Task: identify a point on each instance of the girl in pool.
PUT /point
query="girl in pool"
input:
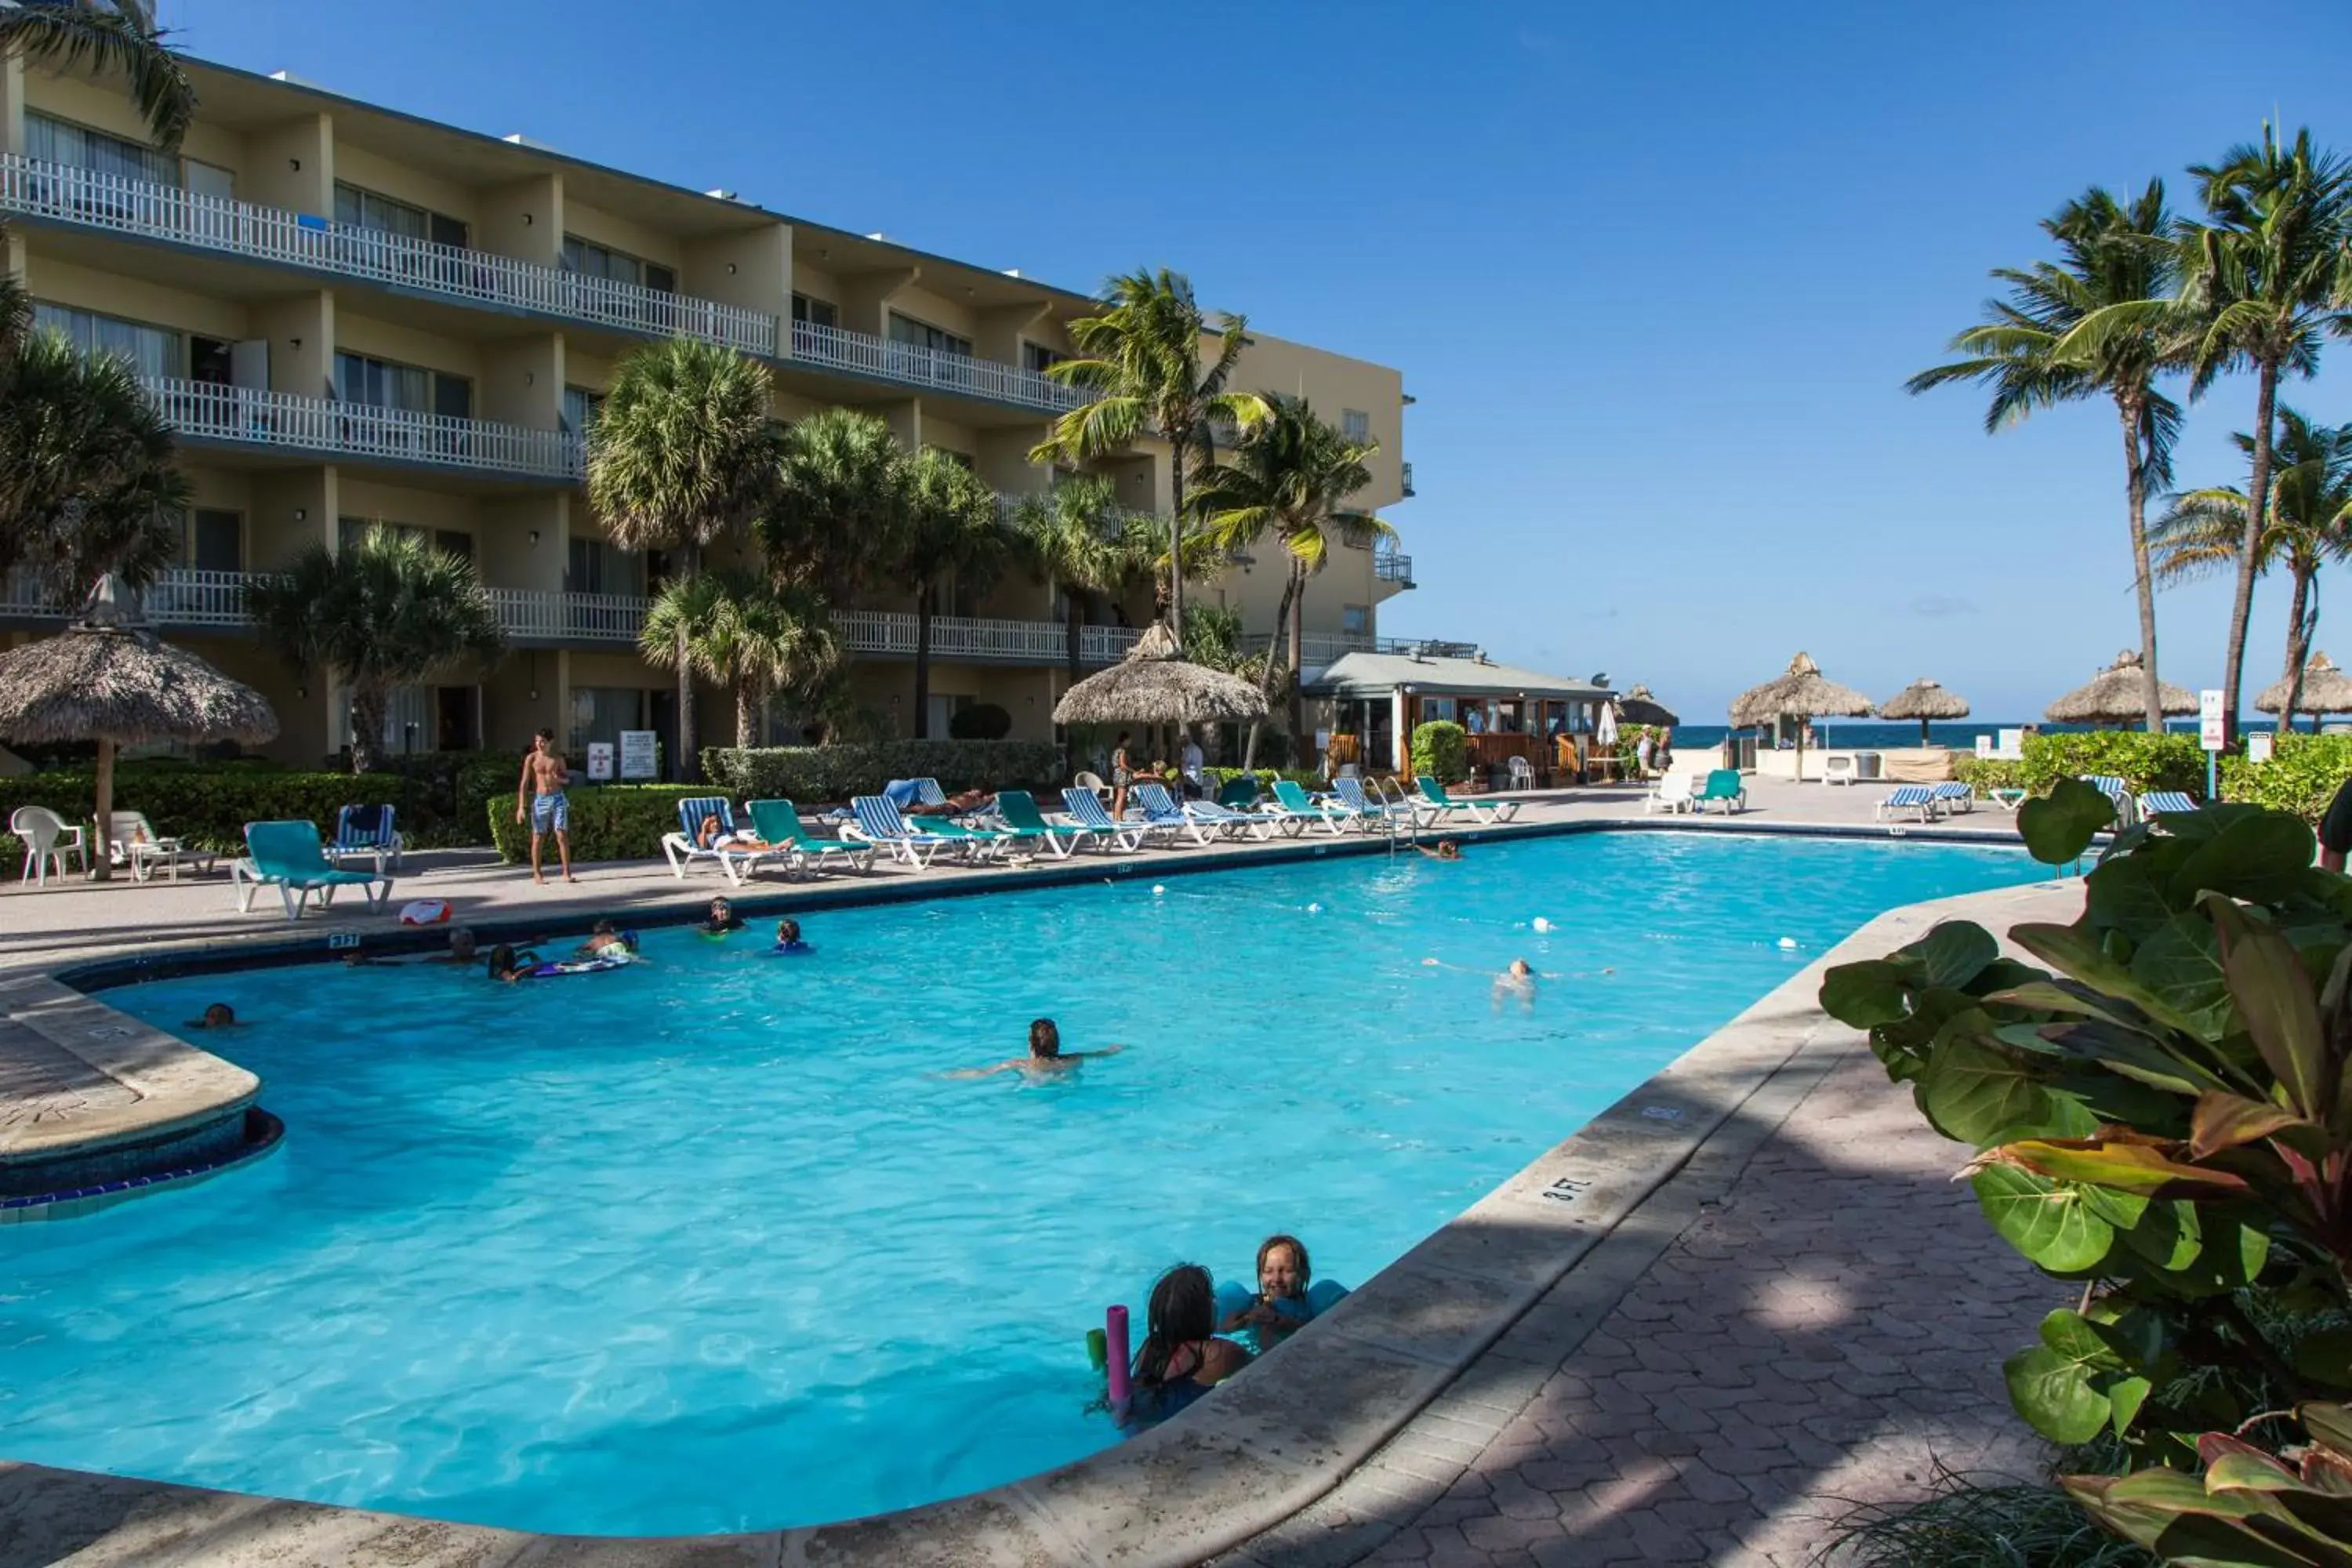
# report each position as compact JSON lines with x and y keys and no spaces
{"x":1281,"y":1308}
{"x":723,"y":919}
{"x":788,"y":938}
{"x":1181,"y":1358}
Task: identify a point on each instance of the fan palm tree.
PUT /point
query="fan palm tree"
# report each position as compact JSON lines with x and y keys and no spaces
{"x":87,"y":480}
{"x":1078,"y":538}
{"x":1141,"y":360}
{"x":949,"y":527}
{"x":1287,"y":481}
{"x":2310,"y":525}
{"x":840,"y":498}
{"x":387,"y":610}
{"x":2111,"y":253}
{"x":743,"y":631}
{"x":682,"y":454}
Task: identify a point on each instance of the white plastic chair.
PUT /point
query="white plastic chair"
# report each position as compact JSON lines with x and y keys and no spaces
{"x":1837,"y":770}
{"x":131,"y":840}
{"x":46,"y":838}
{"x":1093,"y":782}
{"x":1519,"y":774}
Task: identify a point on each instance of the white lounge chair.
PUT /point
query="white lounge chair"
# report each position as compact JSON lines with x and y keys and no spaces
{"x":2157,"y":803}
{"x":880,"y":823}
{"x":682,"y":848}
{"x":1918,"y":798}
{"x":1672,"y":793}
{"x":1085,"y":809}
{"x":1953,"y":797}
{"x":1161,"y":813}
{"x":366,"y":830}
{"x":131,"y":840}
{"x":47,"y":840}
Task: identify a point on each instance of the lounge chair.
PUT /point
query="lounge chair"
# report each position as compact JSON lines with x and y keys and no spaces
{"x":131,"y":840}
{"x":366,"y":830}
{"x":1361,"y":808}
{"x":1295,"y":811}
{"x":1672,"y":793}
{"x":1085,"y":809}
{"x":684,"y":848}
{"x":1918,"y":798}
{"x":1723,"y":788}
{"x":1436,"y":806}
{"x":2118,"y":795}
{"x":1018,"y":810}
{"x":1952,"y":797}
{"x":1091,"y":782}
{"x":47,"y":840}
{"x":778,"y":822}
{"x":880,"y":823}
{"x":291,"y":858}
{"x":1239,"y":792}
{"x":1160,"y":812}
{"x":929,"y":792}
{"x":2158,"y":803}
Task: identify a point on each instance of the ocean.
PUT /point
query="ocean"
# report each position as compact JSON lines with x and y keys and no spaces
{"x":1960,"y":734}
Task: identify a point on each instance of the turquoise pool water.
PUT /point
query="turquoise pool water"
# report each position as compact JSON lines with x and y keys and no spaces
{"x":710,"y":1243}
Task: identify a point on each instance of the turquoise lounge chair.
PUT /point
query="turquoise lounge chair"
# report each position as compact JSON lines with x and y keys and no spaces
{"x":1239,"y":792}
{"x":291,"y":857}
{"x":1723,"y":786}
{"x":1436,"y":806}
{"x":1022,"y":818}
{"x":778,"y":822}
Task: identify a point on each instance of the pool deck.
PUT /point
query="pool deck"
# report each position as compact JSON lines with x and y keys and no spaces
{"x":1677,"y":1336}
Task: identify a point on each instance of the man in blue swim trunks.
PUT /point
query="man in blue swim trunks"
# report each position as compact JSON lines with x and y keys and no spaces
{"x":549,"y":811}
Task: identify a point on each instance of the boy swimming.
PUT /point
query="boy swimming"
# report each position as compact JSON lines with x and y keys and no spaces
{"x":788,"y":938}
{"x":1045,"y":1055}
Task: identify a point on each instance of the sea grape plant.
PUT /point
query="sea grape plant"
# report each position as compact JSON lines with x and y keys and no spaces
{"x":2163,"y":1116}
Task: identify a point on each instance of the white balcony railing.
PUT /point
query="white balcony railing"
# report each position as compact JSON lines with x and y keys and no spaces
{"x":965,"y":638}
{"x":180,"y":596}
{"x":63,"y":194}
{"x":1391,"y":566}
{"x":244,"y":415}
{"x":866,"y":354}
{"x":530,"y":615}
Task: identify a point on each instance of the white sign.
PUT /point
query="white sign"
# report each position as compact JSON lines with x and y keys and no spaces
{"x":2210,"y":723}
{"x":2258,"y":747}
{"x":600,"y":762}
{"x":638,"y":760}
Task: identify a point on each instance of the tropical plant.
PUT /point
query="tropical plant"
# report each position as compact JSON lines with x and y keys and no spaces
{"x":948,"y":529}
{"x":743,"y":631}
{"x":2162,"y":1118}
{"x":682,"y":454}
{"x":2111,"y":253}
{"x":87,"y":480}
{"x":2310,"y":524}
{"x":1964,"y":1522}
{"x":1440,"y":748}
{"x":1140,"y":359}
{"x":840,"y":500}
{"x":389,"y":609}
{"x":1287,"y":479}
{"x":1078,"y":538}
{"x":2302,"y":777}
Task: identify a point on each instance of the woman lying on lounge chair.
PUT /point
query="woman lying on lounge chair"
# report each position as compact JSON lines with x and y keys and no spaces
{"x":713,"y":835}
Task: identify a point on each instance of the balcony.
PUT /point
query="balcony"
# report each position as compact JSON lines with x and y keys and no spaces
{"x":178,"y":597}
{"x":1391,"y":566}
{"x":862,"y":353}
{"x":1408,"y":477}
{"x":320,"y":427}
{"x":84,"y":198}
{"x":892,"y":633}
{"x":537,"y":616}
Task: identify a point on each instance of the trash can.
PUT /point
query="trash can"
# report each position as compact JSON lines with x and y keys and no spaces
{"x":1865,"y":765}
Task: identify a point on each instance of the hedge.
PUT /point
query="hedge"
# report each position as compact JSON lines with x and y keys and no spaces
{"x":1440,"y":749}
{"x":208,"y":803}
{"x":609,"y":822}
{"x":835,"y":773}
{"x":1305,"y":778}
{"x":2302,"y":777}
{"x":2143,"y":761}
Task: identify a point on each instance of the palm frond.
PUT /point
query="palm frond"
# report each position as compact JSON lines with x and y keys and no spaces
{"x":121,"y":38}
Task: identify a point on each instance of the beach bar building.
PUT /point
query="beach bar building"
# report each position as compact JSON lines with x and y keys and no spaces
{"x":1376,"y":700}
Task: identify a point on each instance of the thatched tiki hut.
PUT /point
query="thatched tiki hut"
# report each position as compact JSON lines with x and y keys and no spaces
{"x":1801,"y":691}
{"x":1926,"y":700}
{"x":2325,"y":690}
{"x":1638,"y":707}
{"x":1155,"y":684}
{"x":2117,"y":695}
{"x":109,"y":678}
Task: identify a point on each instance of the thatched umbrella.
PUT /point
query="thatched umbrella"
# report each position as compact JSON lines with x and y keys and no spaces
{"x":2117,"y":695}
{"x":1923,"y":700}
{"x":1638,"y":707}
{"x":1155,"y":684}
{"x":2325,"y":690}
{"x":1802,"y":692}
{"x":108,"y":678}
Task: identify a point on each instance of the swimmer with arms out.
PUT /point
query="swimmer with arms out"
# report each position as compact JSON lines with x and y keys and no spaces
{"x":1446,"y":849}
{"x":1045,"y":1055}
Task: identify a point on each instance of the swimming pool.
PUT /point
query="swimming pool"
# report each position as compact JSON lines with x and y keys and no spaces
{"x":710,"y":1243}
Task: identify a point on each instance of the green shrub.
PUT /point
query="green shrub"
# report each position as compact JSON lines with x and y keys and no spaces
{"x":2144,"y":761}
{"x":1440,"y":749}
{"x":1305,"y":778}
{"x":2302,"y":777}
{"x":981,"y":721}
{"x":1986,"y":774}
{"x":609,"y":822}
{"x":208,"y":805}
{"x":836,"y":773}
{"x":1628,"y":742}
{"x":1966,"y":1523}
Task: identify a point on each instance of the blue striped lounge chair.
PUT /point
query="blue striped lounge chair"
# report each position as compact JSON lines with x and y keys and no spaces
{"x":681,"y":850}
{"x":1918,"y":798}
{"x":2118,"y":794}
{"x":1360,"y":809}
{"x":1230,"y":823}
{"x":366,"y":830}
{"x":2158,"y":803}
{"x":1951,"y":797}
{"x":1161,"y":812}
{"x":880,"y":823}
{"x":1085,"y":809}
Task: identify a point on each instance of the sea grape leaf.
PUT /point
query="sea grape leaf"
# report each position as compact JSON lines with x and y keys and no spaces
{"x":1953,"y":953}
{"x":1975,"y":1092}
{"x":2003,"y":974}
{"x":2054,"y":1395}
{"x":2180,"y":963}
{"x":2261,"y":857}
{"x":2085,"y":959}
{"x":2057,"y":827}
{"x":1866,"y":995}
{"x":2049,"y":1224}
{"x":2125,"y":1395}
{"x":2129,"y":895}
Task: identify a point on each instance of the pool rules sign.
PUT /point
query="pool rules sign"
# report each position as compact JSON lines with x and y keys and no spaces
{"x":2208,"y":720}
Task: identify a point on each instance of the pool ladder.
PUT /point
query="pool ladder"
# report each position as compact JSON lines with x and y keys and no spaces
{"x":1403,"y":821}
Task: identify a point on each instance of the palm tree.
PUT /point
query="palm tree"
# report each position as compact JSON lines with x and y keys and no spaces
{"x":743,"y":631}
{"x":2310,"y":525}
{"x":950,"y":527}
{"x":387,"y":610}
{"x":2112,"y":253}
{"x":1286,"y":480}
{"x":840,"y":497}
{"x":87,"y":480}
{"x":1078,"y":538}
{"x":682,"y":453}
{"x":1142,"y":363}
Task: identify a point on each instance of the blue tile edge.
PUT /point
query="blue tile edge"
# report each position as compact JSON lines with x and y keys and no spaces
{"x":263,"y":1134}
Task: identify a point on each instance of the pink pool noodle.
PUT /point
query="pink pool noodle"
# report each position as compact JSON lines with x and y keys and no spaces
{"x":1115,"y":1331}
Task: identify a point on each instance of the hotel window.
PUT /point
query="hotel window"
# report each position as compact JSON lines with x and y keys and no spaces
{"x":1356,"y":620}
{"x":923,"y":335}
{"x":597,"y":567}
{"x":816,"y":313}
{"x":1036,"y":357}
{"x":454,"y":541}
{"x":590,"y":260}
{"x":366,"y":209}
{"x":1355,"y":425}
{"x":581,"y":407}
{"x":963,"y":460}
{"x":151,"y":350}
{"x":215,"y":541}
{"x":78,"y":147}
{"x":381,"y":384}
{"x":601,"y":714}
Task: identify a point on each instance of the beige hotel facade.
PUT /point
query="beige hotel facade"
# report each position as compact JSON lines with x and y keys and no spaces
{"x":351,"y":315}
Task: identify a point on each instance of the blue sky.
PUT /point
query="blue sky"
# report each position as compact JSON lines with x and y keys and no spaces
{"x":1654,"y":273}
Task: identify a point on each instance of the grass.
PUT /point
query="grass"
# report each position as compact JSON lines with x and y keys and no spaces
{"x":1969,"y":1523}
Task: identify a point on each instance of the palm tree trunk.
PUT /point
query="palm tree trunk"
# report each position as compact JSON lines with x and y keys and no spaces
{"x":1266,"y":675}
{"x":689,"y":760}
{"x":2134,"y":412}
{"x":2258,"y":499}
{"x":101,"y":863}
{"x":1178,"y":446}
{"x":1302,"y":744}
{"x":745,"y":711}
{"x":369,"y":700}
{"x":2301,"y":622}
{"x":923,"y":662}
